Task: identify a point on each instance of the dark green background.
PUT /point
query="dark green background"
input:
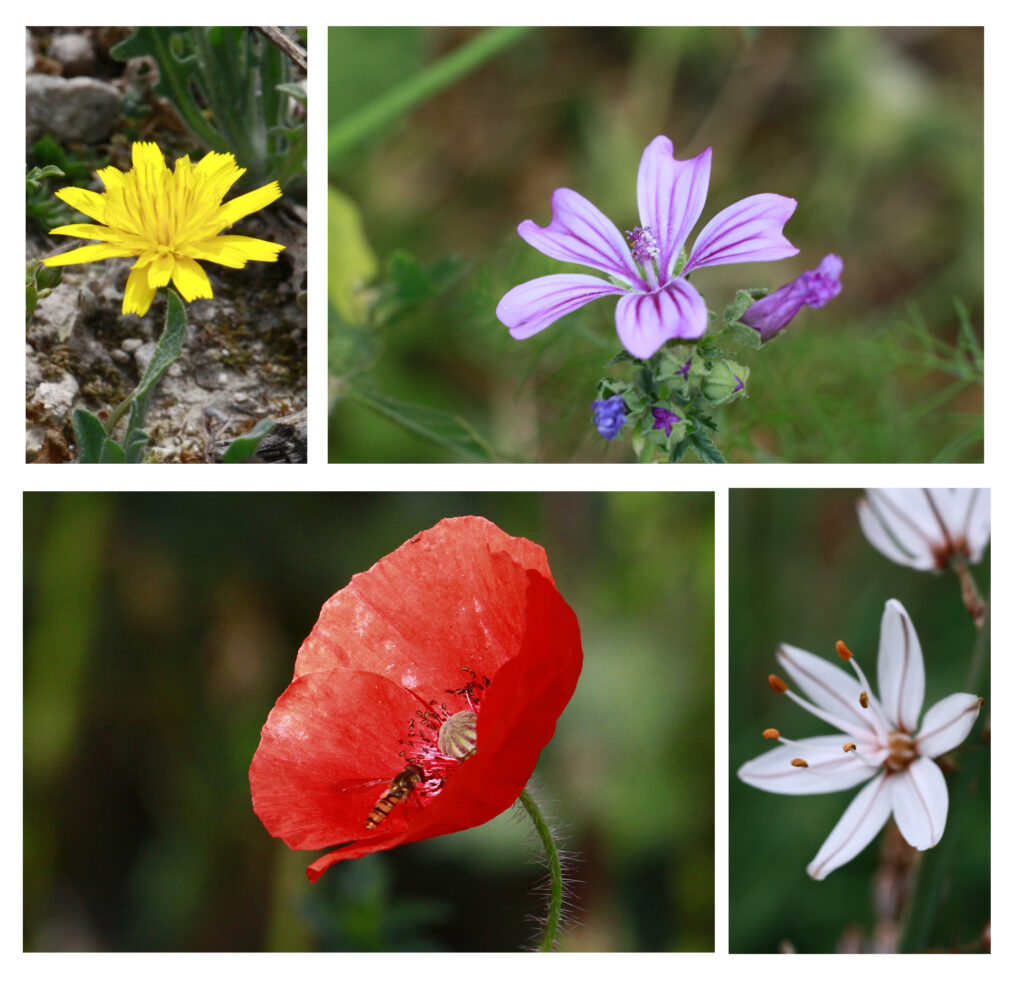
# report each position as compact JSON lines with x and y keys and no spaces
{"x":159,"y":630}
{"x":802,"y":572}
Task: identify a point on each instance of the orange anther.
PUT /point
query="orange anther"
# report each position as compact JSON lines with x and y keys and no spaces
{"x":777,"y":684}
{"x":864,"y":700}
{"x":844,"y":653}
{"x":770,"y":733}
{"x":798,"y":763}
{"x":850,"y":747}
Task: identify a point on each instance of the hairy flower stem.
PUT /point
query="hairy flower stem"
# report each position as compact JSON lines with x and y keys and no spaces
{"x":554,"y":867}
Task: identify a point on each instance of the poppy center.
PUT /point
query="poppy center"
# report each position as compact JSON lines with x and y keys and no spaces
{"x":457,"y":736}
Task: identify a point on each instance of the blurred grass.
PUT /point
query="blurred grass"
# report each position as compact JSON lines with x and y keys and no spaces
{"x":160,"y":628}
{"x":801,"y":572}
{"x":876,"y":131}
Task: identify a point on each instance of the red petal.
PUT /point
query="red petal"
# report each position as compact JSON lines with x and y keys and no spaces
{"x":436,"y":603}
{"x":329,"y":728}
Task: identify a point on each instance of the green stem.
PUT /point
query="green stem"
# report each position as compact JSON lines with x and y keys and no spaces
{"x":111,"y":421}
{"x":344,"y":135}
{"x":555,"y":868}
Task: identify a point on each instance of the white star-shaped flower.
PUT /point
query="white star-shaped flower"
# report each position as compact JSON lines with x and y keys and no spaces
{"x":879,"y":739}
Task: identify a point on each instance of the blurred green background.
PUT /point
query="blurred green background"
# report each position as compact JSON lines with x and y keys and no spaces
{"x":876,"y":131}
{"x":801,"y":571}
{"x":159,"y":630}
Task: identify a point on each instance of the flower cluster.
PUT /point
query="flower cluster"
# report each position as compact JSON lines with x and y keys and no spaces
{"x":422,"y":697}
{"x":168,"y":220}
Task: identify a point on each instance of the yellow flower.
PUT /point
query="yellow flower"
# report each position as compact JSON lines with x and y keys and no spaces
{"x":168,"y":220}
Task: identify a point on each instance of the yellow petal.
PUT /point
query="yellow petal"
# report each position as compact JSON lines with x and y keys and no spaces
{"x":234,"y":250}
{"x":87,"y":254}
{"x":100,"y":232}
{"x":191,"y":279}
{"x":231,"y":211}
{"x":87,"y":202}
{"x":158,"y":273}
{"x":219,"y":171}
{"x":138,"y":294}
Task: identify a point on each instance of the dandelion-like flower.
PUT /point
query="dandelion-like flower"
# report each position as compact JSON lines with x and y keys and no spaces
{"x":647,"y":266}
{"x":169,"y":220}
{"x":879,"y":739}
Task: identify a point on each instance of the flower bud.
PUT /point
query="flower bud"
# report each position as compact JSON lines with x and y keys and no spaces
{"x":724,"y":381}
{"x":815,"y":288}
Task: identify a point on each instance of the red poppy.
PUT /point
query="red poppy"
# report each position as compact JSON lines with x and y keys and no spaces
{"x":422,"y":697}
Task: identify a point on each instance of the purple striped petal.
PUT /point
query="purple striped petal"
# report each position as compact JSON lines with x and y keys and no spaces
{"x":533,"y":305}
{"x":749,"y":231}
{"x":671,"y":195}
{"x":581,"y":233}
{"x":645,"y":321}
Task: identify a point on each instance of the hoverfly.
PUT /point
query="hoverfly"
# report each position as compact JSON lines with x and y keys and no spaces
{"x":399,"y":789}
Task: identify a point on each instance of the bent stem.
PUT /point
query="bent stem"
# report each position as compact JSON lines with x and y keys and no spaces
{"x":554,"y":867}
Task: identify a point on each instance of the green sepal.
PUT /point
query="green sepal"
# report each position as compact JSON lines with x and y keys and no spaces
{"x":720,"y":385}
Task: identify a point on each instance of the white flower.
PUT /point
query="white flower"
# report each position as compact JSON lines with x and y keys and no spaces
{"x":926,"y":528}
{"x":878,"y":737}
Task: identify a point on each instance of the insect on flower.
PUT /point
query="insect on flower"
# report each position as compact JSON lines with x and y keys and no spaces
{"x":400,"y":788}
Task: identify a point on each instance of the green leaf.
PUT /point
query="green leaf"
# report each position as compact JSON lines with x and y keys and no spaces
{"x":168,"y":349}
{"x":353,"y":262}
{"x":244,"y":447}
{"x":35,"y":175}
{"x":135,"y":445}
{"x":438,"y":426}
{"x":89,"y":435}
{"x":112,"y":452}
{"x":705,"y":449}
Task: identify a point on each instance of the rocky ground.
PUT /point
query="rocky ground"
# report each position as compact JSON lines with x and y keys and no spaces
{"x":244,"y":356}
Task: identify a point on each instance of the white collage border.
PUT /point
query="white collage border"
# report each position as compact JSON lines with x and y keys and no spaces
{"x":1003,"y":208}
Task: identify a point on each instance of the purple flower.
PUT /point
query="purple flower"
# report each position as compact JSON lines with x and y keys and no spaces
{"x":815,"y":288}
{"x":685,"y":370}
{"x":656,"y":302}
{"x":609,"y":416}
{"x":664,"y":419}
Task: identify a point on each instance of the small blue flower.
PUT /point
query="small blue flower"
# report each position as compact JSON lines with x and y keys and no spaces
{"x":609,"y":416}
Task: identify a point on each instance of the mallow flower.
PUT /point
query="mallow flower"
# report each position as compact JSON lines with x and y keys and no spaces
{"x":815,"y":288}
{"x":880,"y":741}
{"x":647,"y":267}
{"x":927,"y":528}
